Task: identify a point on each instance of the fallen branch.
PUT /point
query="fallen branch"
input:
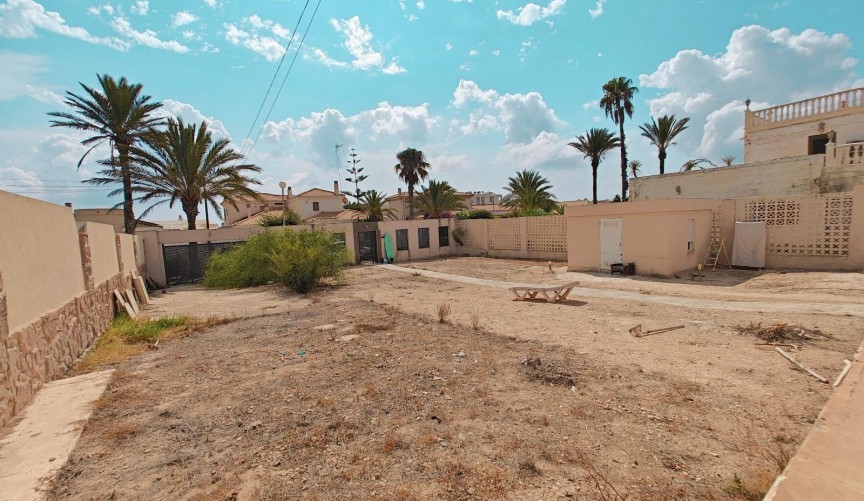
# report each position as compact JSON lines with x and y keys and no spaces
{"x":805,"y":369}
{"x":842,"y":373}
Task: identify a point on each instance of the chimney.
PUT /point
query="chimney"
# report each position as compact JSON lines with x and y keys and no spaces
{"x":288,"y":192}
{"x":180,"y":217}
{"x":336,"y":187}
{"x":400,"y":191}
{"x":68,"y":204}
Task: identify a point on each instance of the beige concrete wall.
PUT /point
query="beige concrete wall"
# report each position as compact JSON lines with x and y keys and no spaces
{"x":346,"y":228}
{"x":40,"y":257}
{"x":128,"y":263}
{"x":227,"y":234}
{"x":790,"y":139}
{"x":414,"y":251}
{"x":111,"y":217}
{"x":794,"y":176}
{"x":542,"y":237}
{"x":103,"y":251}
{"x":654,"y":234}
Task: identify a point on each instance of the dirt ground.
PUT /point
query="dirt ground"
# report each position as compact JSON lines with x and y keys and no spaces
{"x":359,"y":392}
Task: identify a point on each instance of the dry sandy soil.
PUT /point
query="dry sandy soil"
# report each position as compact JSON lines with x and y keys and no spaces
{"x":359,"y":393}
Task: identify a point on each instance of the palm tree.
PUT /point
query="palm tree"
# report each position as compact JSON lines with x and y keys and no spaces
{"x":728,"y":160}
{"x":594,"y":145}
{"x":184,"y":164}
{"x":438,"y":199}
{"x":689,"y":165}
{"x":372,"y":205}
{"x":412,"y":168}
{"x":119,"y":114}
{"x":662,"y":134}
{"x":617,"y":103}
{"x":635,"y":167}
{"x":528,"y":191}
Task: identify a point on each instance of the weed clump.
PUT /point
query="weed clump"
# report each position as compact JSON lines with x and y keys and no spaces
{"x":299,"y":260}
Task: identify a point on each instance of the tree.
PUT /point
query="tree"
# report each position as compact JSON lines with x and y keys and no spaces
{"x":118,"y":114}
{"x":372,"y":205}
{"x":412,"y":168}
{"x":356,"y":177}
{"x":662,"y":133}
{"x":635,"y":167}
{"x":595,"y":144}
{"x":528,"y":192}
{"x":438,"y":199}
{"x":689,"y":165}
{"x":617,"y":103}
{"x":728,"y":160}
{"x":183,"y":164}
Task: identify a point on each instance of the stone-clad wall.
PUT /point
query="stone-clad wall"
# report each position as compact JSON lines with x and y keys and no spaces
{"x":47,"y":348}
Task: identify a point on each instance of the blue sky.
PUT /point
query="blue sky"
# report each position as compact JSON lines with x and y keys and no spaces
{"x":483,"y":88}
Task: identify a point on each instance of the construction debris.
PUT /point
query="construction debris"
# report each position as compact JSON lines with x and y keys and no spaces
{"x":800,"y":366}
{"x":771,"y":346}
{"x":842,"y":373}
{"x":780,"y":332}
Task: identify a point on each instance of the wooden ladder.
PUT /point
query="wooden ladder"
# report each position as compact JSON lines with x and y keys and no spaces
{"x":712,"y":257}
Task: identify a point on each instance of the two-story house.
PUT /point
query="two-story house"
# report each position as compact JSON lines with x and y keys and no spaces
{"x":314,"y":203}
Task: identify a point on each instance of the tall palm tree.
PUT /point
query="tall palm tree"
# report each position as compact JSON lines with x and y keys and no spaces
{"x":118,"y":114}
{"x":728,"y":160}
{"x":635,"y":167}
{"x":412,"y":168}
{"x":594,"y":144}
{"x":438,"y":199}
{"x":373,"y":206}
{"x":617,"y":103}
{"x":528,"y":191}
{"x":183,"y":164}
{"x":662,"y":133}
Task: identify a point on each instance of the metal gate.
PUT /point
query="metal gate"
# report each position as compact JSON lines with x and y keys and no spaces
{"x":180,"y":269}
{"x":367,"y":246}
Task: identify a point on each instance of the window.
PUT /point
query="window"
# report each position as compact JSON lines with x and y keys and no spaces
{"x":443,"y":236}
{"x":401,"y":240}
{"x":423,"y":237}
{"x":339,"y":239}
{"x":816,"y":144}
{"x":691,"y":232}
{"x":315,"y":206}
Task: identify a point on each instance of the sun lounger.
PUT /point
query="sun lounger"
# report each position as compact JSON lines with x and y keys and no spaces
{"x":552,"y":293}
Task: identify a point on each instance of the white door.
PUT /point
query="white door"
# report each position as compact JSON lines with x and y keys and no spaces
{"x":610,"y":242}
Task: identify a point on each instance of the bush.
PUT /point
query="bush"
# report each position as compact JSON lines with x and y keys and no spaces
{"x":291,"y":219}
{"x":299,"y":260}
{"x":475,"y":214}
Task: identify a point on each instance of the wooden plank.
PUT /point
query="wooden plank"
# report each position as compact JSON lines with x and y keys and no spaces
{"x":125,"y":305}
{"x":797,"y":363}
{"x":130,"y":298}
{"x":843,"y":373}
{"x":141,"y":290}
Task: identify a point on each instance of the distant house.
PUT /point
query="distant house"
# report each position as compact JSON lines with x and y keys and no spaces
{"x":398,"y":203}
{"x":310,"y":204}
{"x":482,"y":198}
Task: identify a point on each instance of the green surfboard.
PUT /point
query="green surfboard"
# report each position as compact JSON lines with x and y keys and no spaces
{"x":388,"y":248}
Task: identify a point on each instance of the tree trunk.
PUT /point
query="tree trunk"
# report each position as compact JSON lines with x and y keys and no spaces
{"x":128,"y":211}
{"x":624,"y":183}
{"x":410,"y":201}
{"x":207,"y":214}
{"x":662,"y":157}
{"x":594,"y":164}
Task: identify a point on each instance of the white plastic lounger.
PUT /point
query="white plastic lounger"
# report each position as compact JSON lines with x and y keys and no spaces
{"x":552,"y":293}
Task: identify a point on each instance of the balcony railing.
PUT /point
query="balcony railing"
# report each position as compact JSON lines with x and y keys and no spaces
{"x":849,"y":154}
{"x":806,"y":109}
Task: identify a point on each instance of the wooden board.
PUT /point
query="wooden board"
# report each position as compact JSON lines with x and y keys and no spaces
{"x":125,"y":304}
{"x":141,"y":290}
{"x":388,"y":248}
{"x":130,"y":298}
{"x":551,"y":294}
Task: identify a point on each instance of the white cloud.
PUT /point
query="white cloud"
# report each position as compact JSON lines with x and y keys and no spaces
{"x":768,"y":66}
{"x":210,"y":3}
{"x":547,"y":149}
{"x":597,"y":11}
{"x":141,"y":7}
{"x":261,"y":36}
{"x":19,"y":77}
{"x":190,"y":115}
{"x":473,"y":52}
{"x":591,"y":105}
{"x":183,"y":18}
{"x":147,"y":38}
{"x":522,"y":117}
{"x":421,"y":5}
{"x":20,"y":179}
{"x":22,"y":19}
{"x":358,"y":43}
{"x":530,"y":13}
{"x":96,"y":10}
{"x":448,"y":46}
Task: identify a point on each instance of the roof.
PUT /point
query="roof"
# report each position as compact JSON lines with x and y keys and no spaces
{"x":255,"y":220}
{"x":343,"y":215}
{"x":318,"y":192}
{"x":277,"y":197}
{"x":405,"y":195}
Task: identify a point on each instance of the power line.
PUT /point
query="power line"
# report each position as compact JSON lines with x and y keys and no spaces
{"x":290,"y":67}
{"x":275,"y":74}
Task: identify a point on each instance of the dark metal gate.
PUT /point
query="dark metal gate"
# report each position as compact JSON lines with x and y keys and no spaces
{"x":180,"y":269}
{"x":368,"y":250}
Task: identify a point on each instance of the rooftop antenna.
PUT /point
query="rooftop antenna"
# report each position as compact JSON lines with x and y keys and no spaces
{"x":338,"y":161}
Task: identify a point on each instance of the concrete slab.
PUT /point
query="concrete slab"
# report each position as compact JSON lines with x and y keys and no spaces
{"x":50,"y":427}
{"x":830,"y":462}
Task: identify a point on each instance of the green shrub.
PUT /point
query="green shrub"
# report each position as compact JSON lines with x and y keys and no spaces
{"x":144,"y":331}
{"x":291,"y":219}
{"x":474,"y":214}
{"x":459,"y":235}
{"x":297,"y":259}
